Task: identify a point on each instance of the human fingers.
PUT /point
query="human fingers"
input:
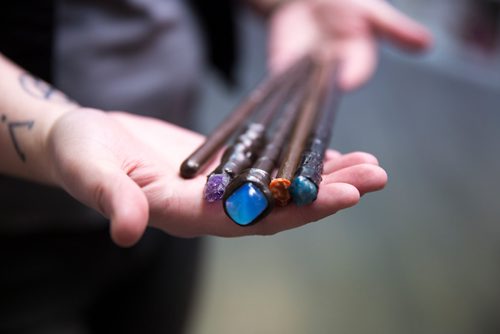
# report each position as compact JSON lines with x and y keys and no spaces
{"x":347,"y":160}
{"x":332,"y":155}
{"x":98,"y":175}
{"x":365,"y":177}
{"x":331,"y":198}
{"x":123,"y":201}
{"x":338,"y":191}
{"x":358,"y":57}
{"x":293,"y":33}
{"x":398,"y":27}
{"x":110,"y":191}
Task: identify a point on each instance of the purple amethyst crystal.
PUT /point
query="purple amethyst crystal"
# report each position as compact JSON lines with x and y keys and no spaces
{"x":215,"y":187}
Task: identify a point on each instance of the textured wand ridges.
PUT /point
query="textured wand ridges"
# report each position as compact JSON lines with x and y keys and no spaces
{"x":299,"y":137}
{"x":202,"y":155}
{"x":307,"y":179}
{"x":248,"y":198}
{"x":311,"y":163}
{"x":304,"y":188}
{"x":245,"y":150}
{"x":235,"y":159}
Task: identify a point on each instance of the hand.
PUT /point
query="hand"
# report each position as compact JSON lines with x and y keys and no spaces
{"x":346,"y":30}
{"x":126,"y":167}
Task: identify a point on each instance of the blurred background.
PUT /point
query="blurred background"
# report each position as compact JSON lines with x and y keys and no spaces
{"x":422,"y":256}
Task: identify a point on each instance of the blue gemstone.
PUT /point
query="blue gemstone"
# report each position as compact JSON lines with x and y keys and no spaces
{"x":303,"y":191}
{"x":246,"y":204}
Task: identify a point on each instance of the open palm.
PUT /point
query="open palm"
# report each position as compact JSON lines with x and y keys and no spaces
{"x":126,"y":167}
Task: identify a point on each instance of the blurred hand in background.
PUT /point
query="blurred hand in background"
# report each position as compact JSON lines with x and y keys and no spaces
{"x":344,"y":29}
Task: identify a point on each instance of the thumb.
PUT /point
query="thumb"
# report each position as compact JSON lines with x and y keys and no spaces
{"x":120,"y":199}
{"x":398,"y":27}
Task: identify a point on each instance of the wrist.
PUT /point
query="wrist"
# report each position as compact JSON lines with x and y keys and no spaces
{"x":28,"y":109}
{"x":45,"y":159}
{"x":27,"y":146}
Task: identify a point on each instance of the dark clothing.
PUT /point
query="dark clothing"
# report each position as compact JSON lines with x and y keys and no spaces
{"x":80,"y":282}
{"x":217,"y":20}
{"x":27,"y":29}
{"x":27,"y":35}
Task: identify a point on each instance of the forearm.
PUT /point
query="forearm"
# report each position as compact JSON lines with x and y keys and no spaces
{"x":28,"y":109}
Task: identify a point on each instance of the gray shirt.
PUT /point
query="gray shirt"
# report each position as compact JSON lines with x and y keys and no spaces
{"x":140,"y":56}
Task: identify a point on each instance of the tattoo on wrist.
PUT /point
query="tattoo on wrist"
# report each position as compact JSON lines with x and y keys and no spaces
{"x":13,"y":127}
{"x":41,"y":90}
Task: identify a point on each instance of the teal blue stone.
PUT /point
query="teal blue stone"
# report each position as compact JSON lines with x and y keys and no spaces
{"x":246,"y":204}
{"x":303,"y":191}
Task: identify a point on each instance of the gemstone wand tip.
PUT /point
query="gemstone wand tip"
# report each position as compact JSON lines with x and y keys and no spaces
{"x":279,"y":188}
{"x":303,"y":191}
{"x":246,"y":204}
{"x":215,"y":187}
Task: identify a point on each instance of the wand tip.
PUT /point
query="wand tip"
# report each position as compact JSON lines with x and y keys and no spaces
{"x":279,"y":188}
{"x":303,"y":191}
{"x":189,"y":169}
{"x":215,"y":187}
{"x":246,"y":204}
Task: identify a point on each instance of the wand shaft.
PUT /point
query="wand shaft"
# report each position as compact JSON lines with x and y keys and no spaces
{"x":271,"y":152}
{"x":247,"y":198}
{"x":248,"y":144}
{"x":308,"y":175}
{"x":304,"y":124}
{"x":280,"y":184}
{"x":191,"y":166}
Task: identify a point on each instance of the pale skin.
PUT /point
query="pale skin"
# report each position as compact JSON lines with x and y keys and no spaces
{"x":347,"y":30}
{"x":126,"y":166}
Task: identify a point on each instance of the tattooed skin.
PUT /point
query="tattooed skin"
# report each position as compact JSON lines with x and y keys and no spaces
{"x":13,"y":128}
{"x":39,"y":89}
